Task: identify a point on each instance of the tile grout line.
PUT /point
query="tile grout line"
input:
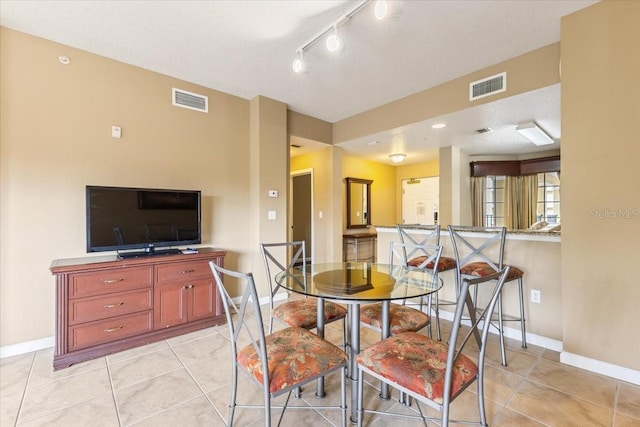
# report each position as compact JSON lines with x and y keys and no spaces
{"x":24,"y":391}
{"x":113,"y":392}
{"x":204,"y":394}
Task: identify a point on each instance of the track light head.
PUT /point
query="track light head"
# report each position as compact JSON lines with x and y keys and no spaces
{"x":333,"y":41}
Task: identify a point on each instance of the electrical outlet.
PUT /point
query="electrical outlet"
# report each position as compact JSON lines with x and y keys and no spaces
{"x":535,"y":296}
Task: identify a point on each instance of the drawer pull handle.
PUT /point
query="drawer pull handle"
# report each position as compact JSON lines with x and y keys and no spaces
{"x":113,"y":305}
{"x":188,"y":271}
{"x":108,"y":281}
{"x":117,"y":328}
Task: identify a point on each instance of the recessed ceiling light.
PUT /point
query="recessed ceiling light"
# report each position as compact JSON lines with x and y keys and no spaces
{"x":438,"y":126}
{"x":372,"y":143}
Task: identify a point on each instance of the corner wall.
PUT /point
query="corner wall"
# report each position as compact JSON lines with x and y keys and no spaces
{"x":600,"y":181}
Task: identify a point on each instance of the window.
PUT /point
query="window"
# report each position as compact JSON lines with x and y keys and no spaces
{"x":548,"y":208}
{"x":549,"y":197}
{"x":494,"y":201}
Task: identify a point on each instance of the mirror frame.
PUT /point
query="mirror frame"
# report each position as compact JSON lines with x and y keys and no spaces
{"x":367,"y":183}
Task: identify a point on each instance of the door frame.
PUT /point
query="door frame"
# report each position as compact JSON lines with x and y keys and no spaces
{"x":293,"y":174}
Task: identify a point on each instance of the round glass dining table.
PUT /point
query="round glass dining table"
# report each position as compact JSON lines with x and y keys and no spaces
{"x":353,"y":284}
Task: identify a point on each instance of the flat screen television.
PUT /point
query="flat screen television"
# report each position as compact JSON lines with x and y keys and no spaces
{"x":122,"y":219}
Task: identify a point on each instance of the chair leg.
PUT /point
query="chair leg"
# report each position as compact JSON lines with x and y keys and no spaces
{"x":437,"y":311}
{"x":522,"y":320}
{"x":359,"y":407}
{"x":503,"y":353}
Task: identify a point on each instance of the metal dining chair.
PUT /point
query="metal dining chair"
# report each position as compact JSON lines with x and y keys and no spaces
{"x":280,"y":362}
{"x":402,"y":317}
{"x":430,"y":371}
{"x":484,"y":258}
{"x":420,"y":235}
{"x":301,"y":312}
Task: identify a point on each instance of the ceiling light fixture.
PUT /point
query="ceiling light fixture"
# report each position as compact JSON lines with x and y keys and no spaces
{"x":534,"y":133}
{"x":333,"y":41}
{"x":438,"y":125}
{"x":297,"y":65}
{"x":381,"y":9}
{"x":397,"y":157}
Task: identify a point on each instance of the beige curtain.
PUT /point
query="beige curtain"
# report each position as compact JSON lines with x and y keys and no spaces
{"x":478,"y":184}
{"x":521,"y":199}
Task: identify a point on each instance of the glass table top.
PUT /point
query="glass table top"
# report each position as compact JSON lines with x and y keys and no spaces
{"x":359,"y":281}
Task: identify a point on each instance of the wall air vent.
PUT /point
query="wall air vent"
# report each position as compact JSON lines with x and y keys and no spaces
{"x":190,"y":100}
{"x":489,"y":86}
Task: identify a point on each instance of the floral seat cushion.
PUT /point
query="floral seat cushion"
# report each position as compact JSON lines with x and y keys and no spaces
{"x":304,"y":312}
{"x":402,"y":318}
{"x":444,"y":263}
{"x":288,"y":365}
{"x":481,"y":269}
{"x":417,"y":363}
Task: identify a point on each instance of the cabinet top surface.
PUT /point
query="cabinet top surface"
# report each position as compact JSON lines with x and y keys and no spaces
{"x":112,"y":261}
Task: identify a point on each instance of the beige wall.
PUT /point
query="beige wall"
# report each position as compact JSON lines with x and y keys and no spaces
{"x":600,"y":181}
{"x":533,"y":70}
{"x":56,"y":138}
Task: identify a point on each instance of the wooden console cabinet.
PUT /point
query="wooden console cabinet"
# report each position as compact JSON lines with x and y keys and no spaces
{"x":105,"y":305}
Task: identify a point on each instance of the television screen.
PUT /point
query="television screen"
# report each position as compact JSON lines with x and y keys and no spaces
{"x":141,"y":218}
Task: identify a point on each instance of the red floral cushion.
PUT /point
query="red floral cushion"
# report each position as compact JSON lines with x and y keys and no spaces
{"x":417,"y":363}
{"x":402,"y":318}
{"x":481,"y":269}
{"x":444,"y":263}
{"x":304,"y":312}
{"x":295,"y":355}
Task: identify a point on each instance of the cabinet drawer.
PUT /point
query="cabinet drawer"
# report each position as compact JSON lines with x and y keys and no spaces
{"x":180,"y":272}
{"x":102,"y":307}
{"x":86,"y":335}
{"x":115,"y":280}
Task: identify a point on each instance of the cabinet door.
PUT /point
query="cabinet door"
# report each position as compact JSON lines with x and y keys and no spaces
{"x":202,"y":299}
{"x":170,"y":305}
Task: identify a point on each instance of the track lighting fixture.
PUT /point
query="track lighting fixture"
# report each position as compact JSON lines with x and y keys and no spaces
{"x":380,"y":9}
{"x":297,"y":65}
{"x":333,"y":42}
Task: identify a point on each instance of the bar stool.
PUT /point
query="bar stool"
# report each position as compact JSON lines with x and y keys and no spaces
{"x":427,"y":235}
{"x":477,"y":260}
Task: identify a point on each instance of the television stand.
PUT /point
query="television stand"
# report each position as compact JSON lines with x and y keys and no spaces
{"x":105,"y":305}
{"x":148,"y":252}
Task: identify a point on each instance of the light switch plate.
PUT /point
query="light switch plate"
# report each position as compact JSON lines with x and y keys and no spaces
{"x":271,"y":214}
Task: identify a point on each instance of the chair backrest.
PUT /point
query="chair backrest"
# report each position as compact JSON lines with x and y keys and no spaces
{"x":275,"y":256}
{"x":480,"y":316}
{"x":429,"y":255}
{"x":246,"y":325}
{"x":428,"y":234}
{"x":489,"y":249}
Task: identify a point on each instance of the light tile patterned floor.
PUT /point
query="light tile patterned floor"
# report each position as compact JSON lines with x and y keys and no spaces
{"x":184,"y":381}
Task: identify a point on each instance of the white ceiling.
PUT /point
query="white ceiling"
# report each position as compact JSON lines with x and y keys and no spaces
{"x":245,"y":48}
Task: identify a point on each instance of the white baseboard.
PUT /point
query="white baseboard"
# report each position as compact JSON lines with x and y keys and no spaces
{"x":26,"y":347}
{"x":538,"y":340}
{"x":599,"y":367}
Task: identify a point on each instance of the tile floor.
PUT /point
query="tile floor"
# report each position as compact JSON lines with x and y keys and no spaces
{"x":184,"y":381}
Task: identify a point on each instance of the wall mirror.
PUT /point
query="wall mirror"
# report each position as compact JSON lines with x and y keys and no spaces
{"x":358,"y":202}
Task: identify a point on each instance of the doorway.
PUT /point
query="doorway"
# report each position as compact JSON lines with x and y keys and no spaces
{"x":302,"y":208}
{"x":420,"y":200}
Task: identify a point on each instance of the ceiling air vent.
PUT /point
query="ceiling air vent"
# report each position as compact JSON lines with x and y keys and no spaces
{"x":190,"y":100}
{"x":484,"y":130}
{"x":489,"y":86}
